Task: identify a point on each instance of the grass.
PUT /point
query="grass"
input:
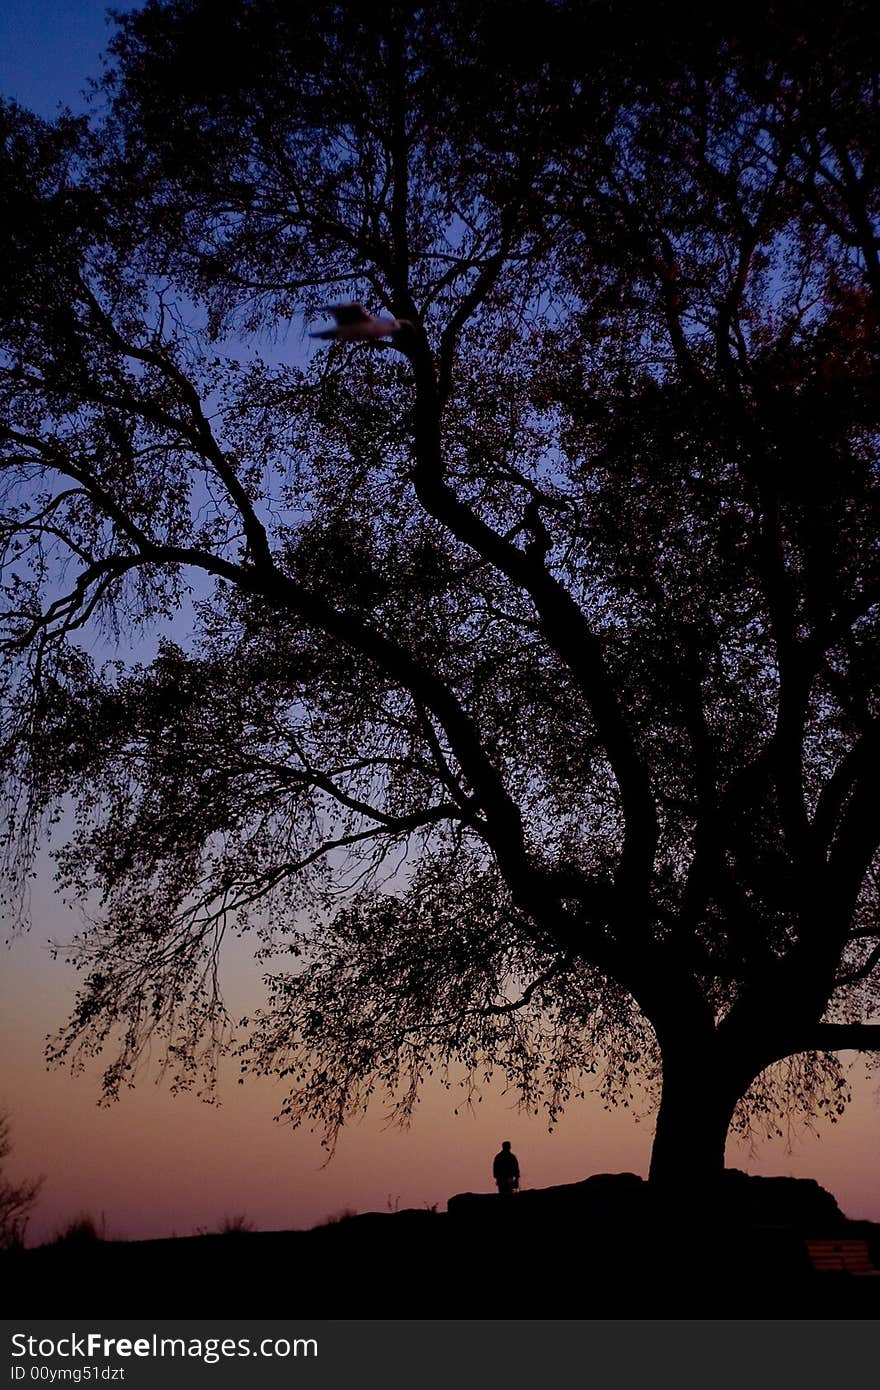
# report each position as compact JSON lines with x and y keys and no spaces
{"x":335,"y":1218}
{"x":237,"y":1225}
{"x":81,"y":1230}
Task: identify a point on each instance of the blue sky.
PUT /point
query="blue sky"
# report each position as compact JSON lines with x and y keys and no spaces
{"x":50,"y":48}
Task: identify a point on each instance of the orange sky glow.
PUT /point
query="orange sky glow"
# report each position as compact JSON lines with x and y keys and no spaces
{"x":156,"y":1164}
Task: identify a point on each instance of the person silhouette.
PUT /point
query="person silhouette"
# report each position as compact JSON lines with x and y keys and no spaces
{"x":505,"y":1171}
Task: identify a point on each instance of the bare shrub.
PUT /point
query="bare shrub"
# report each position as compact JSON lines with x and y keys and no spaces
{"x":17,"y":1199}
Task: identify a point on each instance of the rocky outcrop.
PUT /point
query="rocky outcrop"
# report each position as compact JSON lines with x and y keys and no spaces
{"x":626,"y":1199}
{"x":596,"y":1196}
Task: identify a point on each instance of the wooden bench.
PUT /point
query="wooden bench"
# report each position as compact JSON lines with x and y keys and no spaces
{"x":842,"y":1257}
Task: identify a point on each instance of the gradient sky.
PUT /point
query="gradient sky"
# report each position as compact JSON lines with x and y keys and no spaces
{"x":155,"y":1164}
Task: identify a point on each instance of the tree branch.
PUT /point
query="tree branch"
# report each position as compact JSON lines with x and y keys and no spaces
{"x":840,"y":1037}
{"x":202,"y":436}
{"x":564,"y":626}
{"x":861,"y":972}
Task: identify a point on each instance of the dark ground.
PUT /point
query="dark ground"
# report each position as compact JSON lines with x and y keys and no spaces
{"x":604,"y":1248}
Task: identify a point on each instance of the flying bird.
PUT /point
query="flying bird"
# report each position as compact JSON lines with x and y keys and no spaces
{"x":353,"y":322}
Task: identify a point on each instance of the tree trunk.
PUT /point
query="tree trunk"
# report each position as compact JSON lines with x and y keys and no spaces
{"x":696,"y":1107}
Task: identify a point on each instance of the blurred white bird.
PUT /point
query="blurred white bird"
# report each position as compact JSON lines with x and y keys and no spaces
{"x":353,"y":322}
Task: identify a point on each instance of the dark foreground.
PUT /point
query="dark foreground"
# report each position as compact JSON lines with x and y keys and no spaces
{"x":604,"y":1248}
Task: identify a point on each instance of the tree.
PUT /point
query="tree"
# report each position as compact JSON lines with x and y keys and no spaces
{"x":16,"y":1199}
{"x":531,"y":707}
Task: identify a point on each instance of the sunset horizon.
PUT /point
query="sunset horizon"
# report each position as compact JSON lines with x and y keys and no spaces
{"x":439,"y":680}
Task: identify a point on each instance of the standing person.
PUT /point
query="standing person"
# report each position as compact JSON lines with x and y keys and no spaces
{"x":505,"y":1171}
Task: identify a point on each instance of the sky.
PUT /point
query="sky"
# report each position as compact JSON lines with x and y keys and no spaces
{"x":156,"y":1164}
{"x":50,"y":48}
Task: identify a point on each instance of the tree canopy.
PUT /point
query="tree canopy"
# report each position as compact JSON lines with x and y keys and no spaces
{"x":529,"y":711}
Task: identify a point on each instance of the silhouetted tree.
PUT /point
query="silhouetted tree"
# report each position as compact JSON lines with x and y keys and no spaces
{"x":17,"y":1199}
{"x":532,"y":701}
